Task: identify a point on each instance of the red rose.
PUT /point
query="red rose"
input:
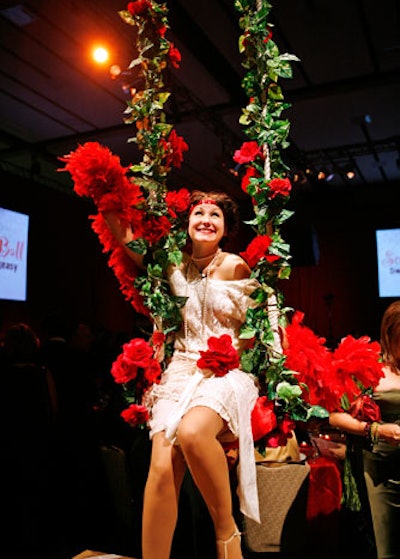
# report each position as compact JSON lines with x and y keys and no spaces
{"x":280,"y":435}
{"x":263,"y":418}
{"x":250,"y":172}
{"x":221,"y":356}
{"x":162,"y":30}
{"x":174,"y":56}
{"x":257,"y":249}
{"x":137,"y":353}
{"x":152,"y":372}
{"x":175,"y":147}
{"x":135,"y":415}
{"x":156,"y":228}
{"x":280,"y":186}
{"x":138,"y":7}
{"x":364,"y":408}
{"x":178,"y":201}
{"x":248,"y":152}
{"x":157,"y":339}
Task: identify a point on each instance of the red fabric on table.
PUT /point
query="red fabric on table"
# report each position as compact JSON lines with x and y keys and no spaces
{"x":325,"y":487}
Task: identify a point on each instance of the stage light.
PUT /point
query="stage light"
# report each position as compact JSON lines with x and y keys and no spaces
{"x":347,"y":172}
{"x":325,"y":175}
{"x":235,"y":170}
{"x":100,"y":55}
{"x":115,"y":71}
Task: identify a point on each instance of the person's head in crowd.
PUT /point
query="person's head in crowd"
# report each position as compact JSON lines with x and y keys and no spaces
{"x":390,"y":336}
{"x":20,"y":343}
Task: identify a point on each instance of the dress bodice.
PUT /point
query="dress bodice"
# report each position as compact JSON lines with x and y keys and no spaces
{"x":389,"y":404}
{"x":214,"y":307}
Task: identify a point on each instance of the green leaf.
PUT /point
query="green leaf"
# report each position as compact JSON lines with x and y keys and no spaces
{"x":288,"y":391}
{"x":138,"y":245}
{"x":317,"y":412}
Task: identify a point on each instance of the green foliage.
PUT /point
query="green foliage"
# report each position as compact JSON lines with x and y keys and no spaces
{"x":264,"y":123}
{"x":145,"y":110}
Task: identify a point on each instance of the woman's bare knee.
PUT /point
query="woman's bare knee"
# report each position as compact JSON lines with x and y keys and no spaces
{"x":199,"y":426}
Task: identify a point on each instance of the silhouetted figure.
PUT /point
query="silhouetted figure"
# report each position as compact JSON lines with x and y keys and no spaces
{"x":79,"y":497}
{"x":28,"y":416}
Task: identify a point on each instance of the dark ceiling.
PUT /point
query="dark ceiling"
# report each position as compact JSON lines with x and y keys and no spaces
{"x":345,"y":91}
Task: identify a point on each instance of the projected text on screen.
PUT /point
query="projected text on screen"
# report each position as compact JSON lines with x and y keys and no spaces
{"x":388,"y":255}
{"x":13,"y":254}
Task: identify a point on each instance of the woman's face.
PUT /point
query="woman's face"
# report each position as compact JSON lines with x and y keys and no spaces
{"x":206,"y":224}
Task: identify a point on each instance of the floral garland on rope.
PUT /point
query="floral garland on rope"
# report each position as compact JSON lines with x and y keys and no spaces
{"x":140,"y":195}
{"x":281,"y":401}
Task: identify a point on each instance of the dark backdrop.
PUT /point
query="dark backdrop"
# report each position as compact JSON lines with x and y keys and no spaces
{"x":332,"y":234}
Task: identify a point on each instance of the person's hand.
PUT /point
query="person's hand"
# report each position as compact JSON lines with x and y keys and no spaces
{"x":390,"y":432}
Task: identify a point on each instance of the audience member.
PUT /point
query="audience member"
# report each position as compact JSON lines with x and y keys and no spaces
{"x":28,"y":417}
{"x":80,"y":491}
{"x":381,"y":454}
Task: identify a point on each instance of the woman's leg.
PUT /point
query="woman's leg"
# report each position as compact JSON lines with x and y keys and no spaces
{"x":161,"y":496}
{"x":205,"y":457}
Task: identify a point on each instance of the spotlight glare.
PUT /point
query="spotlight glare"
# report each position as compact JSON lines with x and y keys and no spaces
{"x":100,"y":55}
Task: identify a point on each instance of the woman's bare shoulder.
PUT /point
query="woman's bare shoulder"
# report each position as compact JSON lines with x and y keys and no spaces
{"x":233,"y":267}
{"x":390,"y":380}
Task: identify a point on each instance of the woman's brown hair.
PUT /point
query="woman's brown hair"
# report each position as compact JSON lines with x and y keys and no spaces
{"x":228,"y":206}
{"x":390,"y":336}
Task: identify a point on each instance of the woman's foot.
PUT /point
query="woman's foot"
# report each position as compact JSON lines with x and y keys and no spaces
{"x":231,"y":547}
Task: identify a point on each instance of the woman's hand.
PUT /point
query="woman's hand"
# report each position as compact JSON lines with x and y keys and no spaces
{"x":390,"y":432}
{"x":123,"y":234}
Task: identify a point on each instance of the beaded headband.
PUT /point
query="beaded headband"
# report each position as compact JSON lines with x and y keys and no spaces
{"x":203,"y":201}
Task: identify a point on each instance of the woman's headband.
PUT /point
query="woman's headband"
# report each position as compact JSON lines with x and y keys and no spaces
{"x":203,"y":201}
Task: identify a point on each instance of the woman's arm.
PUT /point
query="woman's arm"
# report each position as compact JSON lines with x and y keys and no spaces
{"x":390,"y":432}
{"x":346,"y":422}
{"x":123,"y":234}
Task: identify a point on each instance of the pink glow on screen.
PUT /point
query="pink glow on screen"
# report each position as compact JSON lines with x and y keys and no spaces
{"x":13,"y":254}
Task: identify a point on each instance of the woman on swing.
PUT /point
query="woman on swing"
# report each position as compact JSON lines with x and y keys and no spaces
{"x":194,"y":411}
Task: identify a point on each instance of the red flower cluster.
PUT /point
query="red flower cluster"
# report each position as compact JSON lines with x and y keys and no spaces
{"x":174,"y":148}
{"x":98,"y":174}
{"x":137,"y":354}
{"x":139,"y":7}
{"x":266,"y":427}
{"x":174,"y":56}
{"x":177,"y":201}
{"x":154,"y":228}
{"x":220,"y":357}
{"x":135,"y":415}
{"x":250,"y":172}
{"x":364,"y":408}
{"x":136,"y":363}
{"x":329,"y":375}
{"x":257,"y":249}
{"x":248,"y":152}
{"x":280,"y":186}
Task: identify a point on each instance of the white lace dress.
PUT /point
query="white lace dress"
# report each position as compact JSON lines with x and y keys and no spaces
{"x":214,"y":307}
